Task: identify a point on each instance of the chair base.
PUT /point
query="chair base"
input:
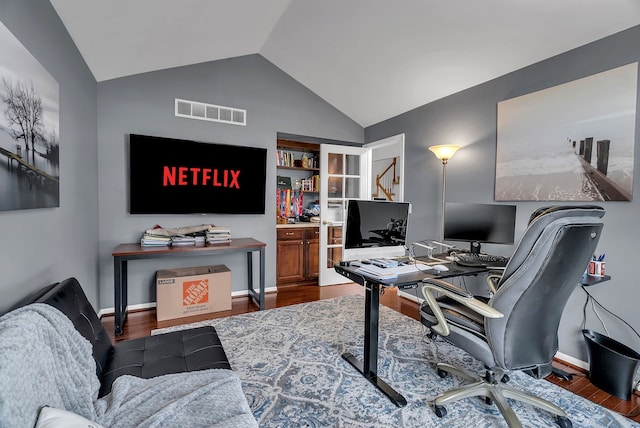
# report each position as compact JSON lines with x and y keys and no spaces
{"x":495,"y":391}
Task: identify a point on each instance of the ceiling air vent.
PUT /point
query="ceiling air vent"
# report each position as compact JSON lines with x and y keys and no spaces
{"x":211,"y":112}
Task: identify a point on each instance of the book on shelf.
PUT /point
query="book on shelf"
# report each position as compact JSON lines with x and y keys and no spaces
{"x":218,"y":234}
{"x":152,"y":244}
{"x":149,"y":240}
{"x":284,"y":158}
{"x":289,"y":203}
{"x":152,"y":237}
{"x":183,"y":240}
{"x":218,"y":240}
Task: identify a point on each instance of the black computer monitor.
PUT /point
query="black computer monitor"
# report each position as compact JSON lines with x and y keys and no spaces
{"x":479,"y":223}
{"x":375,"y":228}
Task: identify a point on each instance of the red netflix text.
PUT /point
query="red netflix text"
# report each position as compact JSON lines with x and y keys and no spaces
{"x":186,"y":176}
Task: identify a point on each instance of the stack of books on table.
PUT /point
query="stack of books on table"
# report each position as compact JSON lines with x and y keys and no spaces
{"x":218,"y":235}
{"x":177,"y":236}
{"x":151,"y":240}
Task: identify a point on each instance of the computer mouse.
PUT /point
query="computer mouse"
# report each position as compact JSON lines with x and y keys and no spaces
{"x":440,"y":268}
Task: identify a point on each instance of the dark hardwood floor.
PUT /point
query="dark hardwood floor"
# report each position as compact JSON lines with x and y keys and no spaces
{"x":141,"y":323}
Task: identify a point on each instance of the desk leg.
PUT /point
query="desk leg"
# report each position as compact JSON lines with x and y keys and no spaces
{"x":257,"y":297}
{"x":369,"y":366}
{"x":120,"y":294}
{"x":262,"y":296}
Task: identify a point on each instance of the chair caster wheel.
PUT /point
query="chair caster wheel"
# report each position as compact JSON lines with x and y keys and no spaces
{"x":443,"y":374}
{"x":563,"y":422}
{"x":440,"y":411}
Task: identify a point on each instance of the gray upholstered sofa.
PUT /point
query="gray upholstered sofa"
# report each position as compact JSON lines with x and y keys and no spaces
{"x":55,"y":353}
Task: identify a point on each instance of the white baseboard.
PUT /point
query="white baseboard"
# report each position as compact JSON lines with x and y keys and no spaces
{"x":142,"y":306}
{"x":571,"y":360}
{"x":411,"y":297}
{"x":246,"y":292}
{"x":111,"y":311}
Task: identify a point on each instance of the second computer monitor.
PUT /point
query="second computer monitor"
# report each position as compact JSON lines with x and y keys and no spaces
{"x":479,"y":223}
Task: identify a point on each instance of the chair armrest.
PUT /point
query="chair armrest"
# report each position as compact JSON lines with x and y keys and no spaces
{"x":459,"y":295}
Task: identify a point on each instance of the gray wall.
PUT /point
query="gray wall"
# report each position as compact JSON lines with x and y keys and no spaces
{"x":144,"y":104}
{"x":41,"y":246}
{"x":468,"y":118}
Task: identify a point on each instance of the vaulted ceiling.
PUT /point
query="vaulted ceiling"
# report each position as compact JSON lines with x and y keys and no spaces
{"x":371,"y":59}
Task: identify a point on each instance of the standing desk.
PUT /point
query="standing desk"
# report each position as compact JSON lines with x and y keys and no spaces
{"x":125,"y":252}
{"x":373,"y":286}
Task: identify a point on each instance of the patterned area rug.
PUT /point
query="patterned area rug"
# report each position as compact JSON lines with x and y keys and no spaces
{"x":289,"y":361}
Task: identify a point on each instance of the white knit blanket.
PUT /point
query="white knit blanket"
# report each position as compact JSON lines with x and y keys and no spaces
{"x":44,"y":360}
{"x":208,"y":398}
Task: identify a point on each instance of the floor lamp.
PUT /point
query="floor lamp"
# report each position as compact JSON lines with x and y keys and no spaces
{"x":444,"y":153}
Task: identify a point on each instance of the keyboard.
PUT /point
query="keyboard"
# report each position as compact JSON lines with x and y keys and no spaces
{"x":470,"y":259}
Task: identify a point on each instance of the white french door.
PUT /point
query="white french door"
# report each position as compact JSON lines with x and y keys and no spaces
{"x":343,"y":175}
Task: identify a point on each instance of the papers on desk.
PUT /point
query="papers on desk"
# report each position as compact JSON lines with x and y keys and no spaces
{"x":390,"y":272}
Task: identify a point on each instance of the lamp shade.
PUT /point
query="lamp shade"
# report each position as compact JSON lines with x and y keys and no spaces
{"x":444,"y":152}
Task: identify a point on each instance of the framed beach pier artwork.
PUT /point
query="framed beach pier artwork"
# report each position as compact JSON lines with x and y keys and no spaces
{"x":571,"y":142}
{"x":29,"y":121}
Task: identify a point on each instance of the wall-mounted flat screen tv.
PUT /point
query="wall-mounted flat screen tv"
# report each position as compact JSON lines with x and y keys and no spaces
{"x":173,"y":176}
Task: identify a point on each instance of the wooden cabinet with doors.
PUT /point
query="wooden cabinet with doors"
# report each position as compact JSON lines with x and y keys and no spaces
{"x":311,"y":253}
{"x":290,"y":256}
{"x":297,"y":255}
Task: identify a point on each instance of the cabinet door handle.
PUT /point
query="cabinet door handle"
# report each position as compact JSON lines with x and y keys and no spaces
{"x":289,"y":233}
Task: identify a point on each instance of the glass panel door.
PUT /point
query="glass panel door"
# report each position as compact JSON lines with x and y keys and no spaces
{"x":343,"y":175}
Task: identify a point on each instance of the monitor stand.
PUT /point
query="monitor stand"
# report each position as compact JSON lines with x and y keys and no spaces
{"x":474,"y":247}
{"x":429,"y":258}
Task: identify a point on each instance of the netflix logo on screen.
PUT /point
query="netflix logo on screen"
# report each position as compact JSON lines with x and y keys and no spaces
{"x":185,"y":176}
{"x":173,"y":176}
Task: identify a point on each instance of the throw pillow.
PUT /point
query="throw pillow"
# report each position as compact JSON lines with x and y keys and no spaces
{"x":50,"y":417}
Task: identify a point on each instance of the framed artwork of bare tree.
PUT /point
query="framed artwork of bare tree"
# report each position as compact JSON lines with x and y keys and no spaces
{"x":29,"y":123}
{"x":571,"y":142}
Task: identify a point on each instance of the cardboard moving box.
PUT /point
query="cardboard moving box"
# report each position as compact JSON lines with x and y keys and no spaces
{"x":184,"y":292}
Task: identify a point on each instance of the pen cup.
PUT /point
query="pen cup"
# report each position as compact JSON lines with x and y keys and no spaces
{"x":596,"y":268}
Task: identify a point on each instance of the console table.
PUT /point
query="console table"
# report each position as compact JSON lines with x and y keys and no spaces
{"x":125,"y":252}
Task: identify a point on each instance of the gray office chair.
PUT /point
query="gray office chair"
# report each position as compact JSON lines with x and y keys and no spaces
{"x":517,"y":327}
